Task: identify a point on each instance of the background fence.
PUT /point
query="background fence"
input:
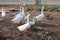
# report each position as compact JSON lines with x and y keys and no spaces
{"x":44,"y":2}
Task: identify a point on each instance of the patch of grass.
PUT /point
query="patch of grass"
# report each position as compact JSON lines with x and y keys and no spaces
{"x":54,"y":8}
{"x":46,"y":8}
{"x":43,"y":36}
{"x":37,"y":8}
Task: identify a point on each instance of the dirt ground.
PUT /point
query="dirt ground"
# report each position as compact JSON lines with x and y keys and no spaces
{"x":47,"y":28}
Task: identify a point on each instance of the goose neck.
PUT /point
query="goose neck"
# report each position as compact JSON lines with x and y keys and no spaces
{"x":22,"y":10}
{"x":27,"y":19}
{"x":42,"y":10}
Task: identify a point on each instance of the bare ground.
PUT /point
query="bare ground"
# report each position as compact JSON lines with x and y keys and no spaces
{"x":49,"y":26}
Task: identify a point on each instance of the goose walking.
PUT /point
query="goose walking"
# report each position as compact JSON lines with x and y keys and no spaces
{"x":40,"y":16}
{"x":25,"y":26}
{"x":3,"y":13}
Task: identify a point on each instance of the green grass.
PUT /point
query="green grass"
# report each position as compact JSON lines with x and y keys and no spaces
{"x":43,"y":36}
{"x":46,"y":8}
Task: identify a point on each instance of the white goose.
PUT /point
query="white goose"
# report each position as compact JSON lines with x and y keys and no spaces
{"x":21,"y":10}
{"x":19,"y":16}
{"x":41,"y":16}
{"x":25,"y":26}
{"x":3,"y":13}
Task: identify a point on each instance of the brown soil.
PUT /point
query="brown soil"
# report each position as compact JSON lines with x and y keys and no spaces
{"x":50,"y":24}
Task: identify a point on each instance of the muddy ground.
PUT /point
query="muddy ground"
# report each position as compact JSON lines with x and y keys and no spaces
{"x":47,"y":28}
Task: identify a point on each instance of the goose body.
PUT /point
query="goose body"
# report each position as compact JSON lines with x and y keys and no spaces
{"x":19,"y":16}
{"x":3,"y":12}
{"x":25,"y":26}
{"x":41,"y":16}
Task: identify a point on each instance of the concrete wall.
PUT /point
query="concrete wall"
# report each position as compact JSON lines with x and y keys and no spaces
{"x":50,"y":2}
{"x":17,"y":1}
{"x":54,"y":2}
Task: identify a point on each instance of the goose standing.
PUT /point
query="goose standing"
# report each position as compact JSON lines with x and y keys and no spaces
{"x":19,"y":16}
{"x":3,"y":13}
{"x":25,"y":26}
{"x":21,"y":10}
{"x":41,"y":16}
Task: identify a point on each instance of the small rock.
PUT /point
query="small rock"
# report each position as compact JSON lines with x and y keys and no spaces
{"x":47,"y":32}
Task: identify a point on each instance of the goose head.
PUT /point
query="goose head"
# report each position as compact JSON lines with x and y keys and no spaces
{"x":23,"y":4}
